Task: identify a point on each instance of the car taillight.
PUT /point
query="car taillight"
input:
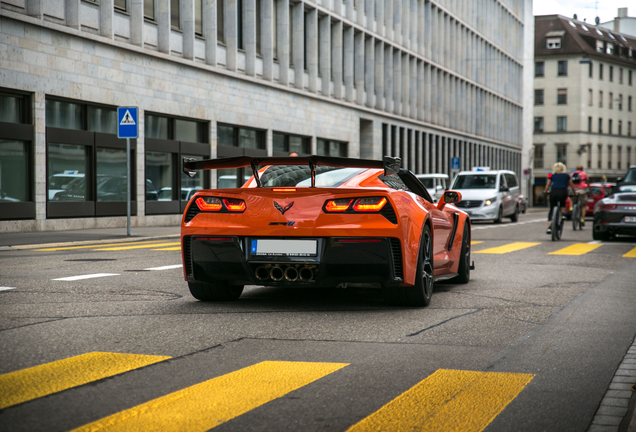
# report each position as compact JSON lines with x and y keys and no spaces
{"x":369,"y":204}
{"x":338,"y":205}
{"x":223,"y":205}
{"x":234,"y":205}
{"x":608,"y":207}
{"x":209,"y":204}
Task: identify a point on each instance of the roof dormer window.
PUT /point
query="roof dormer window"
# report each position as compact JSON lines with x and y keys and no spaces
{"x":572,"y":24}
{"x":600,"y":46}
{"x":599,"y":32}
{"x":609,"y":49}
{"x":584,"y":27}
{"x":553,"y":43}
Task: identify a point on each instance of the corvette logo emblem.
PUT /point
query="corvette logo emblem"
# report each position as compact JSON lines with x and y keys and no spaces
{"x":282,"y":210}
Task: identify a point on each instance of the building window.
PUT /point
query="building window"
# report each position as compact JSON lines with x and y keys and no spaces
{"x":609,"y":126}
{"x":609,"y":157}
{"x":629,"y":103}
{"x":538,"y":155}
{"x":629,"y":156}
{"x":590,"y":70}
{"x":589,"y":124}
{"x":600,"y":125}
{"x":220,"y":21}
{"x":539,"y":69}
{"x":120,"y":5}
{"x":538,"y":97}
{"x":562,"y":153}
{"x":562,"y":96}
{"x":629,"y":128}
{"x":562,"y":67}
{"x":238,"y":141}
{"x":590,"y":97}
{"x":149,"y":10}
{"x":620,"y":127}
{"x":332,"y":148}
{"x":538,"y":124}
{"x":600,"y":99}
{"x":609,"y":49}
{"x":619,"y":149}
{"x":629,"y":77}
{"x":599,"y":163}
{"x":285,"y":144}
{"x":611,"y":73}
{"x":239,"y":25}
{"x":198,"y":17}
{"x":562,"y":124}
{"x":620,"y":75}
{"x":600,"y":71}
{"x":175,"y":15}
{"x":168,"y":140}
{"x":620,"y":102}
{"x":599,"y":46}
{"x":589,"y":157}
{"x":553,"y":43}
{"x":611,"y":100}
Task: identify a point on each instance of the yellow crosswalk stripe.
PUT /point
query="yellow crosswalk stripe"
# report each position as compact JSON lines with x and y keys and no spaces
{"x":138,"y":246}
{"x":28,"y":384}
{"x":448,"y":400}
{"x":93,"y":246}
{"x":512,"y":247}
{"x":203,"y":406}
{"x":577,"y":249}
{"x":476,"y":242}
{"x":170,"y":248}
{"x":630,"y":254}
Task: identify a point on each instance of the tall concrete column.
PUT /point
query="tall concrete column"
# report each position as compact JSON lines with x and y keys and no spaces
{"x":406,"y":84}
{"x":413,"y":90}
{"x":106,"y":16}
{"x":136,"y":22}
{"x":379,"y":75}
{"x":312,"y":49}
{"x":359,"y":67}
{"x":398,"y":30}
{"x":267,"y":38}
{"x":298,"y":44}
{"x":359,"y":6}
{"x":349,"y":10}
{"x":209,"y":30}
{"x":406,"y":23}
{"x":389,"y":103}
{"x":414,"y":17}
{"x":427,"y":93}
{"x":370,"y":14}
{"x":349,"y":52}
{"x":324,"y":27}
{"x":71,"y":13}
{"x":369,"y":78}
{"x":336,"y":58}
{"x":421,"y":89}
{"x":283,"y":40}
{"x":187,"y":17}
{"x":163,"y":27}
{"x":231,"y":33}
{"x":389,"y":22}
{"x":249,"y":36}
{"x":397,"y":82}
{"x":380,"y":12}
{"x":433,"y":98}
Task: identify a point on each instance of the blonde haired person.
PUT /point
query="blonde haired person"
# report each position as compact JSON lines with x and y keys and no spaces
{"x":558,"y":185}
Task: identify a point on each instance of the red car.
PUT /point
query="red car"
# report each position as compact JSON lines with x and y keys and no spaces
{"x":598,"y":191}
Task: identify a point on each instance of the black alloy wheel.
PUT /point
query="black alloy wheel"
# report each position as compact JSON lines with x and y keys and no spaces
{"x":463,"y":271}
{"x":218,"y":291}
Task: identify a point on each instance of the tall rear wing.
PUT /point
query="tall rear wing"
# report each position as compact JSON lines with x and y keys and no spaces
{"x":390,"y":165}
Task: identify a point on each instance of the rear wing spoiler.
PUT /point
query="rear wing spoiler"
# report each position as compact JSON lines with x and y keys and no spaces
{"x":390,"y":165}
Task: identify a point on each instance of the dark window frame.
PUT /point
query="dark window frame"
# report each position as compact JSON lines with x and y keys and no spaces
{"x":236,"y":150}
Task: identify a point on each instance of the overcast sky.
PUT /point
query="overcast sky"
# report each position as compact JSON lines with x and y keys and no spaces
{"x":606,"y":10}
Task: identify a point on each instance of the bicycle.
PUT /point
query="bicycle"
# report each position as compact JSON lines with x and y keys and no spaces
{"x":557,"y":222}
{"x":576,"y":213}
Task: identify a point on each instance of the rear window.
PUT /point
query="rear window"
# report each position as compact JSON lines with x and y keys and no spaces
{"x":595,"y":190}
{"x":631,"y":175}
{"x":626,"y":197}
{"x":475,"y":181}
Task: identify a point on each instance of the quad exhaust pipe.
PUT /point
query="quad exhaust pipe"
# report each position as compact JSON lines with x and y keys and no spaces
{"x":291,"y":273}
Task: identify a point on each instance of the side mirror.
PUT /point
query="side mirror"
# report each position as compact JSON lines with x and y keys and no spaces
{"x":449,"y":197}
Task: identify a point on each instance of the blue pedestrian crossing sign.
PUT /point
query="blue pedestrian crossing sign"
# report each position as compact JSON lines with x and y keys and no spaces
{"x":127,"y":122}
{"x":455,"y":163}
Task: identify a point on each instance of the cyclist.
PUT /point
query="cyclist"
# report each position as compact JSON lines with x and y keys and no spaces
{"x":581,"y":187}
{"x":558,"y":185}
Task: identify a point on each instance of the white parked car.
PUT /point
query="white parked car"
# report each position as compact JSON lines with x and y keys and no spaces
{"x":488,"y":195}
{"x":436,"y":184}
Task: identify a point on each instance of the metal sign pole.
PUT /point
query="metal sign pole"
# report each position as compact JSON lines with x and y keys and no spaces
{"x":128,"y":187}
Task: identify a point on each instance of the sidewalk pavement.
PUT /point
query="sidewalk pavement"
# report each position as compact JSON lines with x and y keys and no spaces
{"x":29,"y":240}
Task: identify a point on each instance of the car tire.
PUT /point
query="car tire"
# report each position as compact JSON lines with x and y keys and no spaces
{"x":219,"y":291}
{"x":600,"y":235}
{"x":515,"y":216}
{"x":463,"y":270}
{"x":421,"y":292}
{"x":499,"y":216}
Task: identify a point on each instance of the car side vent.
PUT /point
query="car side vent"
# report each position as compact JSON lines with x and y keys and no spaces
{"x":193,"y":210}
{"x":396,"y":252}
{"x":389,"y":213}
{"x":187,"y":256}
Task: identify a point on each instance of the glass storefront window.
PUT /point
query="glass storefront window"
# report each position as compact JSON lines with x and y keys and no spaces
{"x":190,"y":131}
{"x":331,"y":148}
{"x":159,"y":169}
{"x":249,"y":138}
{"x":189,"y":185}
{"x":14,"y":169}
{"x":299,"y":145}
{"x":67,"y":166}
{"x":156,"y":127}
{"x":112,"y":179}
{"x":279,"y":142}
{"x":226,"y":136}
{"x":64,"y":115}
{"x":11,"y":109}
{"x":102,"y":120}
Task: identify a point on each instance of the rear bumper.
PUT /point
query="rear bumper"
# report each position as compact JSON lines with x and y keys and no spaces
{"x":614,"y":224}
{"x":338,"y":260}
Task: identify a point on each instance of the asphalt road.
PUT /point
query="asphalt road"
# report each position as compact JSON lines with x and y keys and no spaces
{"x":531,"y":343}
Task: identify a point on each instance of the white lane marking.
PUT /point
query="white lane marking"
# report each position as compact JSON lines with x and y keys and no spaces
{"x":6,"y":288}
{"x":88,"y":276}
{"x":595,"y":242}
{"x":166,"y":267}
{"x":508,"y":225}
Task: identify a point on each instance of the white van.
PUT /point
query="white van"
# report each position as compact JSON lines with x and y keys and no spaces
{"x":436,"y":184}
{"x":488,"y":195}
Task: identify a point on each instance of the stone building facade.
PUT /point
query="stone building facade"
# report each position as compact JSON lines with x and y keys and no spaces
{"x":584,"y":100}
{"x":423,"y":80}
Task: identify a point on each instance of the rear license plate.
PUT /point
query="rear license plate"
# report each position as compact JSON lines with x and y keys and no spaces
{"x":630,"y":219}
{"x":290,"y":248}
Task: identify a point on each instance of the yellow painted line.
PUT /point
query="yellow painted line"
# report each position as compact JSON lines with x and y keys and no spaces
{"x":170,"y":248}
{"x":512,"y":247}
{"x":211,"y":403}
{"x":475,"y":242}
{"x":138,"y":247}
{"x":577,"y":249}
{"x":630,"y":254}
{"x":28,"y":384}
{"x":448,"y":400}
{"x":93,"y":246}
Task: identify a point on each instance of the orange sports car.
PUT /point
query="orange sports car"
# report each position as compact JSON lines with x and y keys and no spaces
{"x":322,"y":222}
